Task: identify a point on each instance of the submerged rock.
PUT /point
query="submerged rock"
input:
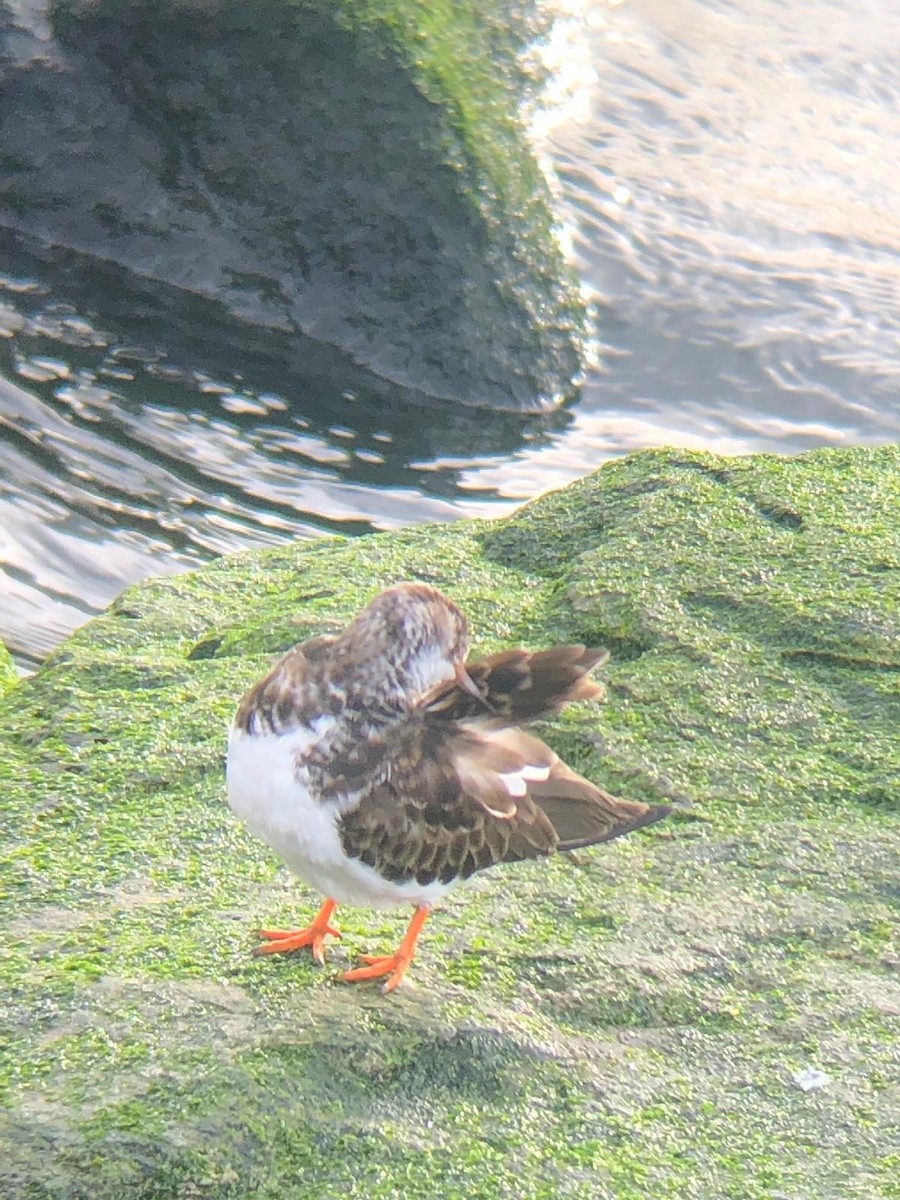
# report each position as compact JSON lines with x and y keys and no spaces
{"x":358,"y":173}
{"x":628,"y":1024}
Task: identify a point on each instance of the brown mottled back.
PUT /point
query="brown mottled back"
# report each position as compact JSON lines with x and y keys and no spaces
{"x":292,"y":693}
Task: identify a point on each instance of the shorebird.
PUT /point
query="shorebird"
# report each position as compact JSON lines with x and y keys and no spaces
{"x":384,"y":768}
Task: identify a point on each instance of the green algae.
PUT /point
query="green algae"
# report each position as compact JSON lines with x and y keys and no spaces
{"x":628,"y":1023}
{"x":8,"y":676}
{"x":755,"y":602}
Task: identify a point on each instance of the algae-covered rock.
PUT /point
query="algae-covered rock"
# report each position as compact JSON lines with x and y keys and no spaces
{"x":708,"y":1009}
{"x":356,"y":171}
{"x":8,"y":675}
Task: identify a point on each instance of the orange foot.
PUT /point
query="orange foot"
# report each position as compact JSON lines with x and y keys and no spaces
{"x":280,"y":941}
{"x":392,"y":965}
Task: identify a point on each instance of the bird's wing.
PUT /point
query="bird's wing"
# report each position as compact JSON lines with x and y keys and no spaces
{"x":455,"y":803}
{"x":442,"y":814}
{"x":583,"y":814}
{"x":580,"y":813}
{"x":516,"y":686}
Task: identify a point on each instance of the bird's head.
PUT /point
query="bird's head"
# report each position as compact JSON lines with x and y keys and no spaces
{"x":404,"y":642}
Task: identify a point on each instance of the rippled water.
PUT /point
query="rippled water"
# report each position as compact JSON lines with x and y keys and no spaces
{"x":727,"y":177}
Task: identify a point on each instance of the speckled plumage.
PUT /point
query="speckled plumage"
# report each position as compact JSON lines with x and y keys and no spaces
{"x":384,"y":770}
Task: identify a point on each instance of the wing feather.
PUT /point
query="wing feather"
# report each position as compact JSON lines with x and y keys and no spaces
{"x":517,"y":686}
{"x":580,"y":813}
{"x":468,"y":788}
{"x":446,"y":811}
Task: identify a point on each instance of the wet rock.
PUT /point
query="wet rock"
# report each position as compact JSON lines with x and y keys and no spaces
{"x":359,"y":177}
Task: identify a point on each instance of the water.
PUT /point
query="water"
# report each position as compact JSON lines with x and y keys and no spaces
{"x":727,"y":180}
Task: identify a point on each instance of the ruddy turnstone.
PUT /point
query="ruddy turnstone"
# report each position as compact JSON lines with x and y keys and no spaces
{"x":383,"y":768}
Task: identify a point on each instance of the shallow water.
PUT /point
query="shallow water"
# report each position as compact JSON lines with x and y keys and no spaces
{"x":727,"y":178}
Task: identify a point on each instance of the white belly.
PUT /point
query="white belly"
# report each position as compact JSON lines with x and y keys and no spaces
{"x":267,"y":790}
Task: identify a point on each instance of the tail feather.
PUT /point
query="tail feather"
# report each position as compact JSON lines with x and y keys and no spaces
{"x":585,"y":815}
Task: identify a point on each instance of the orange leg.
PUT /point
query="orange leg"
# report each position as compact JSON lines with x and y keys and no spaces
{"x":392,"y":965}
{"x":279,"y":941}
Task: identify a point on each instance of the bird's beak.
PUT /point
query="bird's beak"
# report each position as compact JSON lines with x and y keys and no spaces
{"x":465,"y":681}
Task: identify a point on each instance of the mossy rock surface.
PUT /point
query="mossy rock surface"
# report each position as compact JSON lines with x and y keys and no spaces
{"x":708,"y":1009}
{"x":8,"y":676}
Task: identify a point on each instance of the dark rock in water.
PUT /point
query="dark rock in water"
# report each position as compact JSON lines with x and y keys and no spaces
{"x":312,"y":169}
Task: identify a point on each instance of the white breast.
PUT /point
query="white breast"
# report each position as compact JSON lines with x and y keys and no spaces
{"x":267,"y":787}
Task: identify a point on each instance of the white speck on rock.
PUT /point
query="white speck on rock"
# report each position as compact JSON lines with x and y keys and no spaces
{"x":810,"y":1079}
